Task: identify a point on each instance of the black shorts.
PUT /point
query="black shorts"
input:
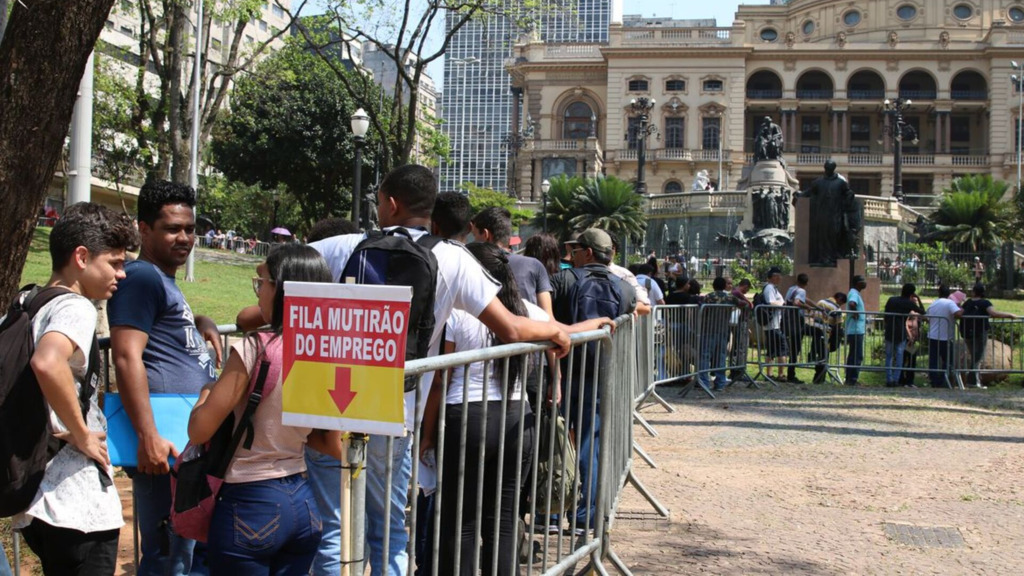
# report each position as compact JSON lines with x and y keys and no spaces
{"x":776,"y":343}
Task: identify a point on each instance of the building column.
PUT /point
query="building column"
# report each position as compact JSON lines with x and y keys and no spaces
{"x":833,"y":127}
{"x":949,"y":132}
{"x":886,"y":141}
{"x":938,"y":133}
{"x":846,"y":131}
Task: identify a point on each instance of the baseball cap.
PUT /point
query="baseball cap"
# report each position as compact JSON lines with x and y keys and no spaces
{"x":596,"y":239}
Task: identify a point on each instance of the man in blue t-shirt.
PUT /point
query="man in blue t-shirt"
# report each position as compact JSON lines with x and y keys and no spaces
{"x":159,"y":347}
{"x":856,"y":323}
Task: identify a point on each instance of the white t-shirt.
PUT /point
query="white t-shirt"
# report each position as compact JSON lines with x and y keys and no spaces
{"x":462,"y":284}
{"x":630,"y":278}
{"x":469,"y":333}
{"x":71,"y":495}
{"x":940,"y":314}
{"x":654,"y":293}
{"x":774,"y":298}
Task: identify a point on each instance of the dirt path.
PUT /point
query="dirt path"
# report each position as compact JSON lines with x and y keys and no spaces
{"x":824,"y":480}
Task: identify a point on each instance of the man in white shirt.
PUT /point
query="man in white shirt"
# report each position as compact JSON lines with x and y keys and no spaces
{"x":646,"y":281}
{"x":406,"y":198}
{"x":777,"y":347}
{"x":941,"y":317}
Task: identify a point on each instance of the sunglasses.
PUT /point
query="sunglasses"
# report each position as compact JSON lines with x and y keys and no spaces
{"x":257,"y":282}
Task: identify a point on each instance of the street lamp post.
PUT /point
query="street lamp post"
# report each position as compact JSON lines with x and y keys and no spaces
{"x":544,"y":187}
{"x":360,"y":124}
{"x":514,"y":142}
{"x":641,"y":107}
{"x":898,"y":130}
{"x":1018,"y":78}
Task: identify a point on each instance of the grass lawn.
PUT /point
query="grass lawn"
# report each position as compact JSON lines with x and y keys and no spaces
{"x":223,"y":283}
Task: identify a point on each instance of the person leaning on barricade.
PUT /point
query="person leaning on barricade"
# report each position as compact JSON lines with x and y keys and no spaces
{"x":826,"y":333}
{"x":793,"y":324}
{"x":717,"y":310}
{"x":942,"y":313}
{"x":777,"y":349}
{"x":897,"y":310}
{"x":740,"y":322}
{"x":405,"y":200}
{"x":974,"y":326}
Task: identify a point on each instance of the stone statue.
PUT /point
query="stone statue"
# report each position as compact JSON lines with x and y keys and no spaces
{"x":701,"y":183}
{"x":768,"y":142}
{"x":771,"y":208}
{"x":836,"y":219}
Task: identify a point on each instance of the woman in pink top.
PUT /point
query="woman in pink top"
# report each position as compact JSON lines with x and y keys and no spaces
{"x":266,"y":519}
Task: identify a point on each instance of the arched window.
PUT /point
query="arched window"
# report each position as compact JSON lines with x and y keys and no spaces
{"x":673,"y":187}
{"x":576,"y":124}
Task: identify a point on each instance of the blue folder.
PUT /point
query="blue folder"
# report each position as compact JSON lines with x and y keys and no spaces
{"x":171,"y":412}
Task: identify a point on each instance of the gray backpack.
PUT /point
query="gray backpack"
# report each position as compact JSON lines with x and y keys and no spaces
{"x":556,"y":465}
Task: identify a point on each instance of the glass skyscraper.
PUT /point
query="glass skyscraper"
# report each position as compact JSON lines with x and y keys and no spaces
{"x":477,"y":99}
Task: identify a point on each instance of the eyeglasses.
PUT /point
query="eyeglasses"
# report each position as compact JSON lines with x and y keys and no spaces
{"x":257,"y":282}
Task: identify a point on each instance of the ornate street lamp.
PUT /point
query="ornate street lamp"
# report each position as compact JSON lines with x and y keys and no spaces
{"x":641,"y":107}
{"x":1018,"y":79}
{"x":899,"y":130}
{"x":514,"y":142}
{"x":360,"y":124}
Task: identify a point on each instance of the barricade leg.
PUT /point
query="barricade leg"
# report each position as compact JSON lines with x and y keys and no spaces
{"x":658,"y":507}
{"x":644,"y":423}
{"x":644,"y":455}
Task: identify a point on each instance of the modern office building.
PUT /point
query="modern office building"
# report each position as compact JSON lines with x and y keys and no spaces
{"x":482,"y":118}
{"x":385,"y":74}
{"x":820,"y":69}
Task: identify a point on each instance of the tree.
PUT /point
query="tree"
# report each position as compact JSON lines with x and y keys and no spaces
{"x":560,"y":207}
{"x":44,"y":51}
{"x":480,"y":198}
{"x":163,"y":121}
{"x":404,"y":33}
{"x":972,"y":215}
{"x":248,"y":210}
{"x":288,"y":128}
{"x":611,"y":205}
{"x":120,"y":158}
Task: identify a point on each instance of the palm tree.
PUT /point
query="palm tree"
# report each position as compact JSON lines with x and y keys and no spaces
{"x":972,"y":215}
{"x":612,"y":205}
{"x":560,"y":206}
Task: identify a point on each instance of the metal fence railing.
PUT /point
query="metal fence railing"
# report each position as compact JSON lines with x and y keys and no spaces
{"x":235,"y":244}
{"x":948,"y":353}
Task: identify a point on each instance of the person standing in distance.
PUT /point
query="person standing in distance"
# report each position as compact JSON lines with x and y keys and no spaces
{"x":856,"y":325}
{"x":159,"y":346}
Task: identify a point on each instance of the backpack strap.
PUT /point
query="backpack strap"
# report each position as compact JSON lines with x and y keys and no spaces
{"x":244,"y":428}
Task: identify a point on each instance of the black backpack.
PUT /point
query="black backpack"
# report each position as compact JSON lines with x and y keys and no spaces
{"x":763,"y":315}
{"x":595,"y":293}
{"x":26,"y":444}
{"x":393,"y":258}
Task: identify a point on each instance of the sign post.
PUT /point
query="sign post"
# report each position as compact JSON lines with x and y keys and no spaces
{"x":344,"y":369}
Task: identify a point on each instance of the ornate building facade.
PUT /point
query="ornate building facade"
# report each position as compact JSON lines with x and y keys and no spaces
{"x":821,"y":69}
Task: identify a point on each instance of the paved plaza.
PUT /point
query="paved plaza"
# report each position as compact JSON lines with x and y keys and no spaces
{"x":830,"y":480}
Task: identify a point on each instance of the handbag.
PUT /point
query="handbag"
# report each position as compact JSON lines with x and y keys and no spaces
{"x":198,"y":473}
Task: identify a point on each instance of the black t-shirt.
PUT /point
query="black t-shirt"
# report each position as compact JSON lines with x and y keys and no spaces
{"x":974,"y":322}
{"x":679,"y":297}
{"x":894,"y":323}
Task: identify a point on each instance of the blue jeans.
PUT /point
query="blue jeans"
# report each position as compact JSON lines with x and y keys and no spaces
{"x":587,"y":431}
{"x":938,"y":362}
{"x":163,"y":553}
{"x":854,"y":356}
{"x":713,"y":347}
{"x":383,"y":507}
{"x":894,"y":360}
{"x":324,"y":477}
{"x":265,"y":527}
{"x":5,"y":568}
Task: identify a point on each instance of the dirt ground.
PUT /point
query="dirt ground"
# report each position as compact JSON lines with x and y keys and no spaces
{"x":830,"y":480}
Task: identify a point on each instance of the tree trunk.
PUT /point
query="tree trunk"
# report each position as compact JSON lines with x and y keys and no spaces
{"x":42,"y":58}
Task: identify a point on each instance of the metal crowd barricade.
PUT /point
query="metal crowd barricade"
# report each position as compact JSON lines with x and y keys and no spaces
{"x":675,"y":342}
{"x":649,"y":351}
{"x":721,"y":341}
{"x":993,"y":352}
{"x":827,"y":346}
{"x":606,"y":368}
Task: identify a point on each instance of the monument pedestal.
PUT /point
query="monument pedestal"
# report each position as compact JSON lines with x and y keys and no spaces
{"x":824,"y":282}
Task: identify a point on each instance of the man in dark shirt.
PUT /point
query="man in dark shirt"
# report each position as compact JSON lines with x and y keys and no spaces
{"x":894,"y":328}
{"x":974,"y":326}
{"x":740,"y":329}
{"x":716,"y":312}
